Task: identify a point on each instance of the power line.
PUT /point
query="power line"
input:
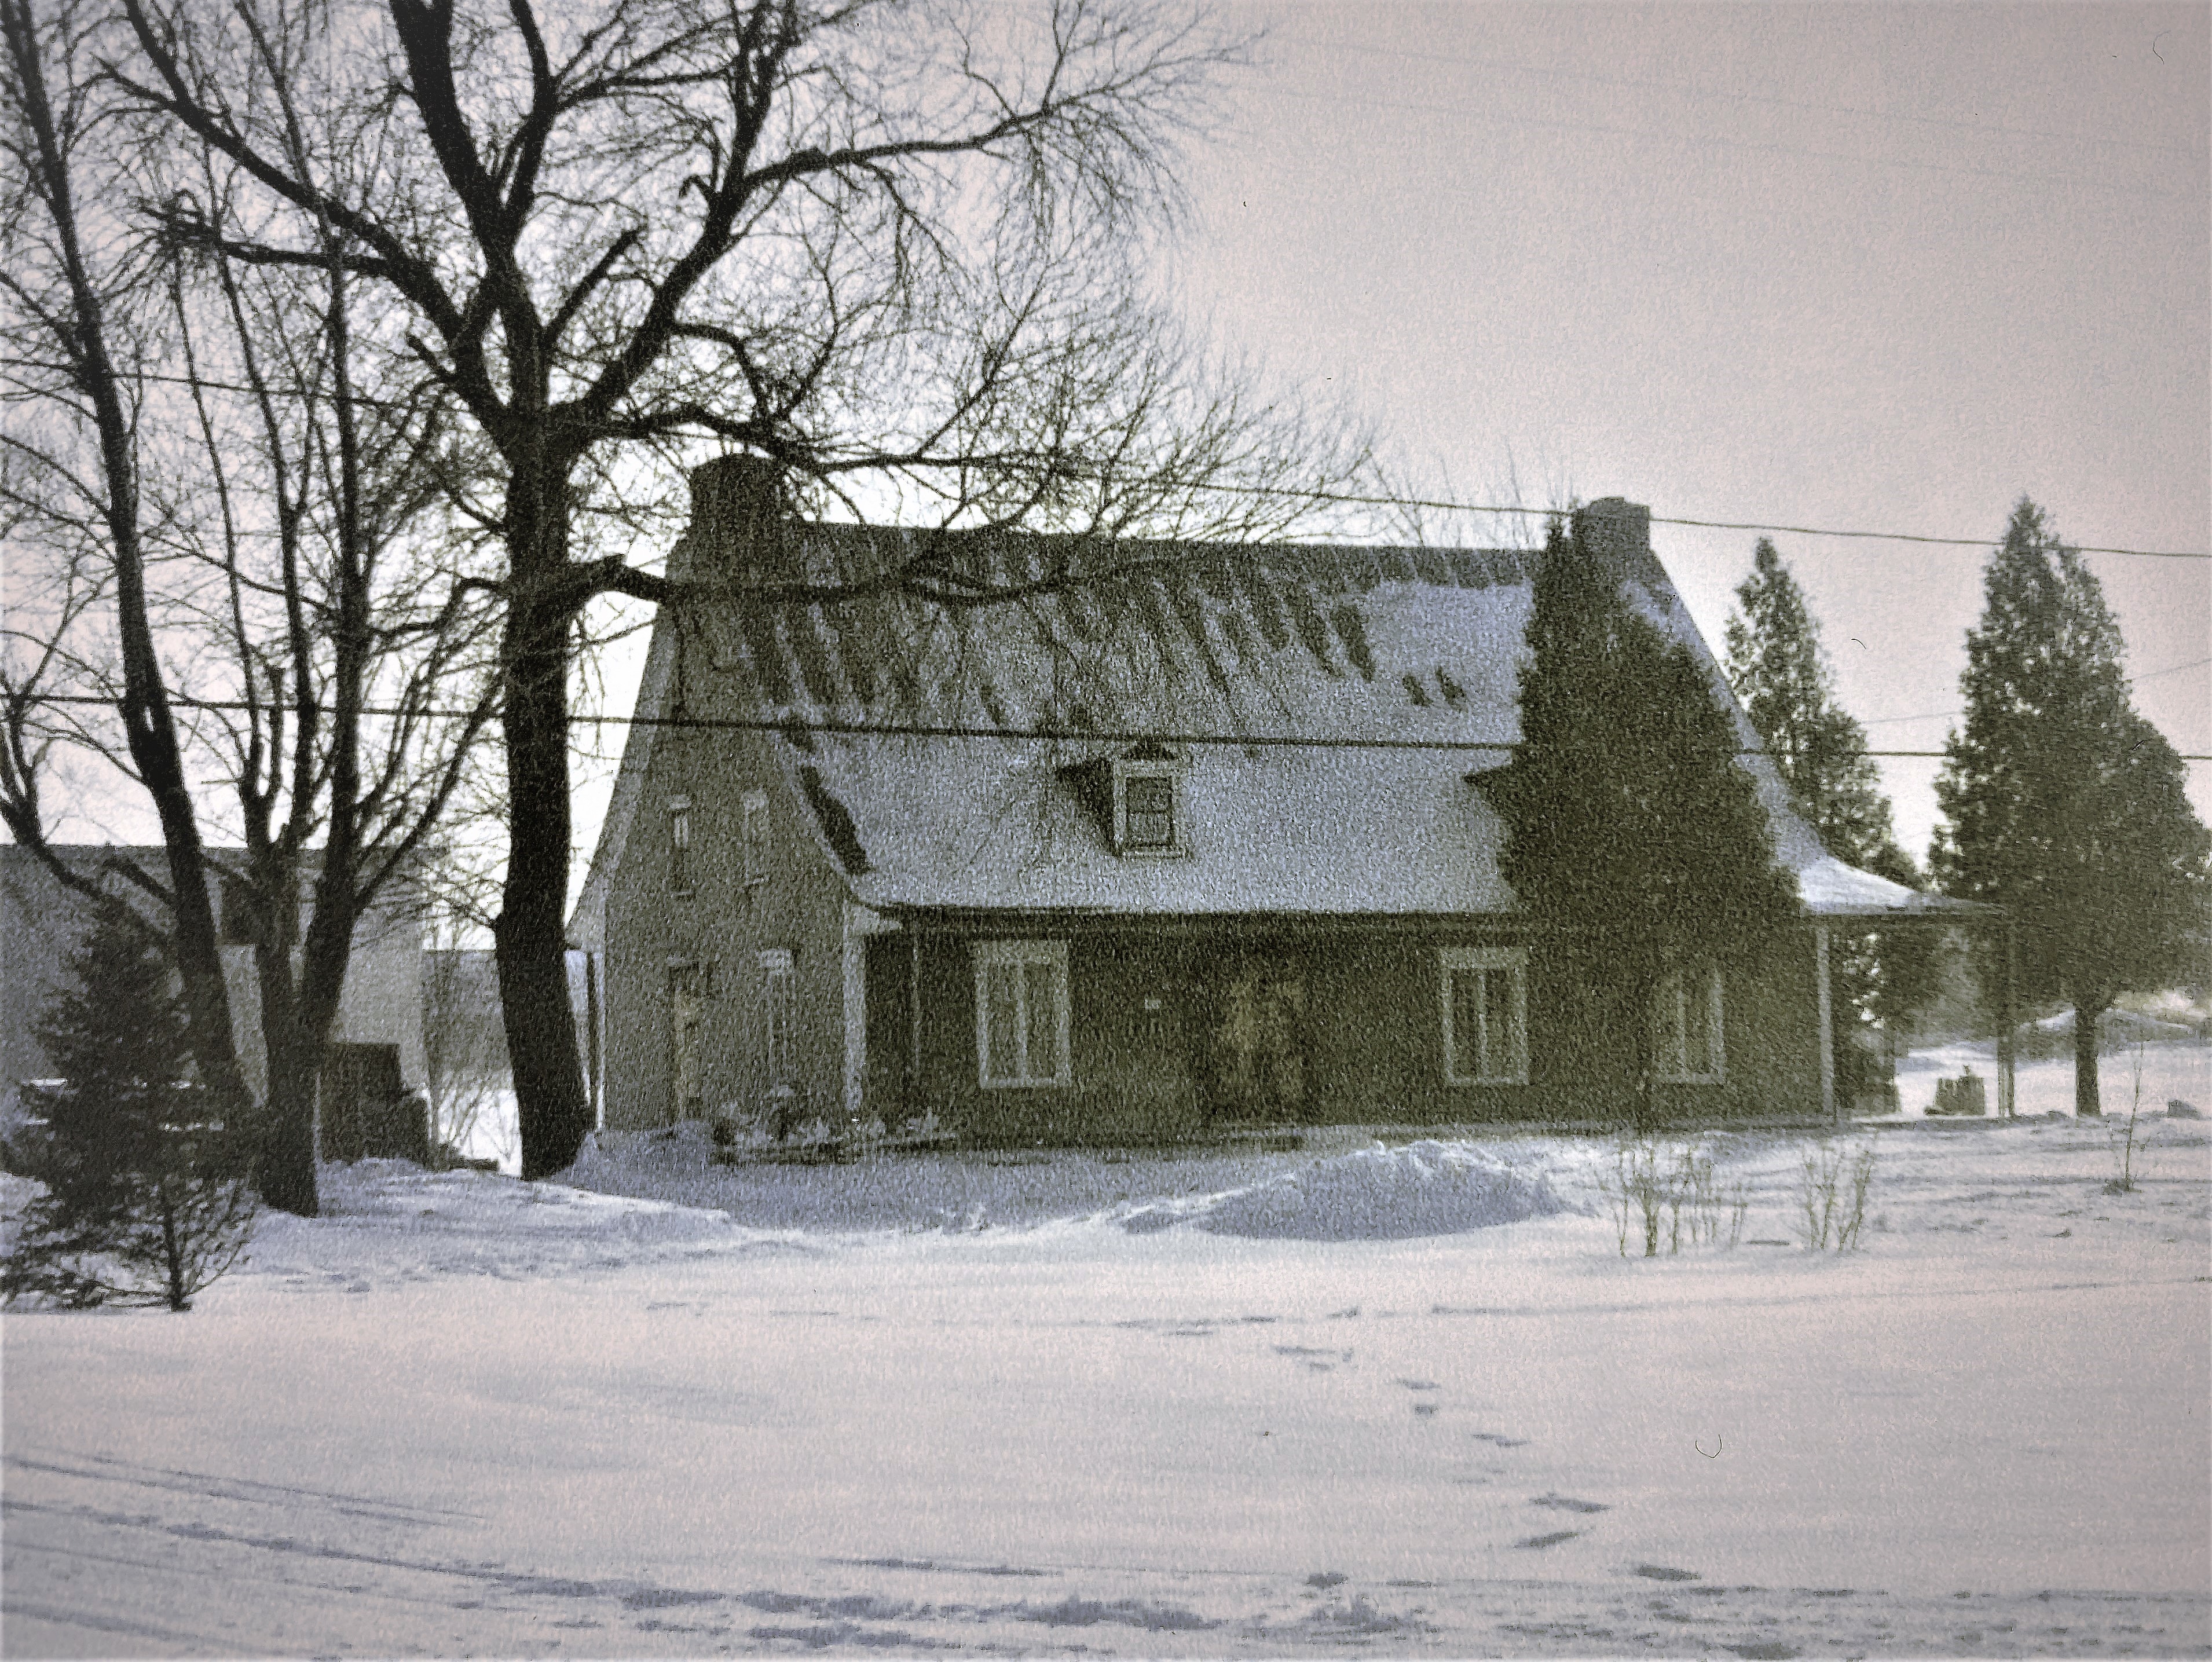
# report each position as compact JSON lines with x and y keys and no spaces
{"x":1949,"y":715}
{"x":1354,"y":499}
{"x":834,"y":729}
{"x":1358,"y":499}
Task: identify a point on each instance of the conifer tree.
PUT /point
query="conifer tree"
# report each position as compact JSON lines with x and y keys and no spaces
{"x":1776,"y":665}
{"x":145,"y":1200}
{"x":1786,"y":685}
{"x":2061,"y":802}
{"x":1633,"y":839}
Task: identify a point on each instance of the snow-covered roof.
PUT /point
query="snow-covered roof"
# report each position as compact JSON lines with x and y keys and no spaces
{"x":1394,"y":670}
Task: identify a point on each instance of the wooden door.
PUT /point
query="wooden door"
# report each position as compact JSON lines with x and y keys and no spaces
{"x":1255,"y":1062}
{"x":687,"y":1095}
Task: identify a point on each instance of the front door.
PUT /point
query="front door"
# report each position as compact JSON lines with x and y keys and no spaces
{"x":1256,"y":1062}
{"x":686,"y":1099}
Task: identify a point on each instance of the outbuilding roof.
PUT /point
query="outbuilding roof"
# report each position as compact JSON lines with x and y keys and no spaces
{"x":1328,"y":708}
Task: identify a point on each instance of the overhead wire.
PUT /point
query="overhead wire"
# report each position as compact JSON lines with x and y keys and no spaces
{"x":1953,"y":715}
{"x":1444,"y":504}
{"x":830,"y":727}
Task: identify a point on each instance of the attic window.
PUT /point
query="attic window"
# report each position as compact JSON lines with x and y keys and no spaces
{"x":1148,"y":815}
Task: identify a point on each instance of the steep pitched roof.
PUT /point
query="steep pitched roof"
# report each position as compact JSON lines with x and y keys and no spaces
{"x":1393,"y":671}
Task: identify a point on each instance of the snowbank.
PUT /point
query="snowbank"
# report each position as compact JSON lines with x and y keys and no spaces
{"x":386,"y":1221}
{"x":1378,"y":1193}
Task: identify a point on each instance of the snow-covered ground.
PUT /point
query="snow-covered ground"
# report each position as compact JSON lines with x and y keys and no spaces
{"x":2046,"y":1086}
{"x":1219,"y":1404}
{"x":2170,"y":1071}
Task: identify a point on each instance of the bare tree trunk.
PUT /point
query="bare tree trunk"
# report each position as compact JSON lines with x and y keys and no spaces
{"x":529,"y":935}
{"x":1646,"y":1053}
{"x":173,"y":1250}
{"x":2088,"y":1102}
{"x":284,"y":1152}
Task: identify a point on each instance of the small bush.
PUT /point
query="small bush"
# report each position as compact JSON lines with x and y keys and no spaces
{"x":1655,"y":1191}
{"x":2121,"y":1134}
{"x":1831,"y":1195}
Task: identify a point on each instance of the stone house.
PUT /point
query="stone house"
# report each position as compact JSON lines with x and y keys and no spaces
{"x":1233,"y":863}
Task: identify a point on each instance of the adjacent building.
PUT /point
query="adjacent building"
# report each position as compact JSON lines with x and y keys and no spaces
{"x":376,"y":1058}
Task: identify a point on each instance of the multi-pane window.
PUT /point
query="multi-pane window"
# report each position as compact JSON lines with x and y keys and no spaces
{"x":1021,"y":1012}
{"x":1148,"y":813}
{"x":754,"y":836}
{"x":1686,"y":1023}
{"x":1485,"y":1015}
{"x":679,"y":845}
{"x":777,"y":984}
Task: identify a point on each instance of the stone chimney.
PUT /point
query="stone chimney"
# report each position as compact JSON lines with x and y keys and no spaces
{"x":1614,"y":534}
{"x":738,"y":524}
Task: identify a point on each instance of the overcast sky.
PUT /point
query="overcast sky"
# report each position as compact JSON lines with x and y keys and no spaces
{"x":1864,"y":267}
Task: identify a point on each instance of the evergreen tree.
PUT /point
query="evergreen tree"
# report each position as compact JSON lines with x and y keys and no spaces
{"x":143,"y":1201}
{"x":1632,"y":837}
{"x":2062,"y":803}
{"x":1783,"y":678}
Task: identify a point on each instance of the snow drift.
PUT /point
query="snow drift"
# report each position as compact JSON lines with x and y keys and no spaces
{"x":1376,"y":1193}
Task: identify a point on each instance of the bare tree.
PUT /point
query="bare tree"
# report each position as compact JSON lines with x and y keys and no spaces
{"x":282,"y":561}
{"x":894,"y":248}
{"x":75,"y":477}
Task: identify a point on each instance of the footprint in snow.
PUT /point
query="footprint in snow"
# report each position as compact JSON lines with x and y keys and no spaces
{"x":1320,"y":1361}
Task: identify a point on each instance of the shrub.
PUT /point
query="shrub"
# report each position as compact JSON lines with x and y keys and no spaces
{"x":1670,"y":1190}
{"x":1831,"y":1195}
{"x":2121,"y":1137}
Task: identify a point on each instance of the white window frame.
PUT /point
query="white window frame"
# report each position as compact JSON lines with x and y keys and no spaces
{"x":989,"y":953}
{"x":679,"y":845}
{"x":1513,"y":963}
{"x":1169,"y":775}
{"x":753,"y":837}
{"x":1674,"y":1008}
{"x":778,"y":1004}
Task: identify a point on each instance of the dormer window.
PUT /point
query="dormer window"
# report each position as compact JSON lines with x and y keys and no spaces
{"x":1147,"y":812}
{"x":1137,"y":797}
